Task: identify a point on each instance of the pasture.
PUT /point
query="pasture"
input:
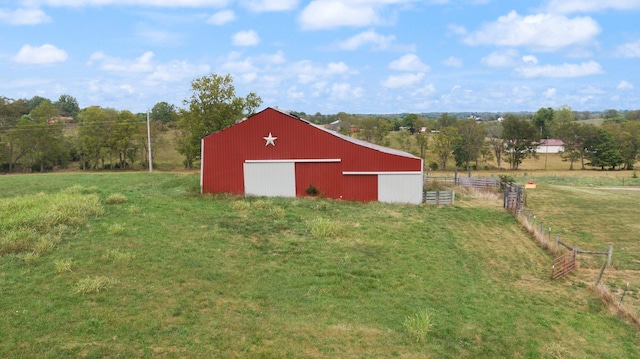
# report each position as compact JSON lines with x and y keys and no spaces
{"x":161,"y":271}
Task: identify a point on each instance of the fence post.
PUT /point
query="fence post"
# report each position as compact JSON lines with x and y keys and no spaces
{"x":609,"y":254}
{"x":557,"y":240}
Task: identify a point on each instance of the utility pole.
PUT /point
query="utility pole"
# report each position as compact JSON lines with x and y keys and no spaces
{"x":149,"y":143}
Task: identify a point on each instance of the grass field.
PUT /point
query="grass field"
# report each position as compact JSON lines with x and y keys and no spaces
{"x":155,"y":269}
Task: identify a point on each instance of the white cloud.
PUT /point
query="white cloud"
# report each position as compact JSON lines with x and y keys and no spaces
{"x":572,"y":6}
{"x":396,"y":81}
{"x":591,"y":90}
{"x":501,"y":59}
{"x":530,"y":59}
{"x":222,"y":17}
{"x":31,"y":16}
{"x":155,"y":3}
{"x":329,"y":14}
{"x":308,"y":72}
{"x":456,"y":29}
{"x":337,"y":68}
{"x":409,"y":62}
{"x":157,"y":37}
{"x":233,"y":63}
{"x":542,"y":31}
{"x":177,"y":71}
{"x":625,"y":85}
{"x":631,"y":50}
{"x":550,"y":93}
{"x":343,"y":91}
{"x":378,"y":42}
{"x":270,"y":5}
{"x":41,"y":55}
{"x":452,"y":61}
{"x":562,"y":71}
{"x":113,"y":64}
{"x":246,"y":38}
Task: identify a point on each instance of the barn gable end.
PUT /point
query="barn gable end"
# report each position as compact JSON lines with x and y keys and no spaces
{"x":273,"y":153}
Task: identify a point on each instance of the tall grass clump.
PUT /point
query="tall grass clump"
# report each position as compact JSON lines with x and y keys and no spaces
{"x":63,"y":265}
{"x":95,"y":284}
{"x":115,"y":229}
{"x":323,"y":228}
{"x":116,"y":256}
{"x":35,"y":222}
{"x":419,"y":324}
{"x":116,"y":198}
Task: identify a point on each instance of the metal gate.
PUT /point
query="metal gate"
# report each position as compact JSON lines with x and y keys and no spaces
{"x":563,"y":265}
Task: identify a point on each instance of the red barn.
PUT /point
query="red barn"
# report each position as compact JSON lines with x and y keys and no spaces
{"x":274,"y":153}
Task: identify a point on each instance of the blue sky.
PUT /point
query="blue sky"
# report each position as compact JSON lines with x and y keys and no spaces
{"x":327,"y":56}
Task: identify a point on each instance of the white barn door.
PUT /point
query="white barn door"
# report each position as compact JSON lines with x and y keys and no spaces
{"x":400,"y":188}
{"x":270,"y":179}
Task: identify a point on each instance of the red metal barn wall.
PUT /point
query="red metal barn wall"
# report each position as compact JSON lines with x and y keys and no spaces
{"x":240,"y":158}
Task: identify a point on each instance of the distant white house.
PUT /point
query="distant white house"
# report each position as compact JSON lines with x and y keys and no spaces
{"x":550,"y":146}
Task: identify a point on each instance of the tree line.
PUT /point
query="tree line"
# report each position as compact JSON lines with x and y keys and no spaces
{"x":614,"y":144}
{"x":35,"y":133}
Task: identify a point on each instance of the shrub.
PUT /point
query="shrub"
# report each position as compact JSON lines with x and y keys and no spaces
{"x":506,"y":179}
{"x":312,"y":191}
{"x":419,"y":324}
{"x":433,"y":166}
{"x":116,"y":198}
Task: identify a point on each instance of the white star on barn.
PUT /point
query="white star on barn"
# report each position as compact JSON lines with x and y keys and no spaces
{"x":270,"y":140}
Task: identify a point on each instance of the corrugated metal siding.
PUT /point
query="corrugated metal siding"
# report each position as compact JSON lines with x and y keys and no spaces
{"x":325,"y":177}
{"x":226,"y":151}
{"x":270,"y":179}
{"x":400,"y":188}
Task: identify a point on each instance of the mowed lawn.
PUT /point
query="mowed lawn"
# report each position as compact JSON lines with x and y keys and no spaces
{"x":182,"y":275}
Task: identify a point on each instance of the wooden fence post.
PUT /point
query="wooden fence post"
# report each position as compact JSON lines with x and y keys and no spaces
{"x":609,"y":254}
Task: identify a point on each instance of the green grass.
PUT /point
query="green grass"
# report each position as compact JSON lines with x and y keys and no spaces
{"x":186,"y":275}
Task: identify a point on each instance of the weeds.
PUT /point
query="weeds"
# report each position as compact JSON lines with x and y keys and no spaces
{"x":419,"y":324}
{"x":35,"y":223}
{"x":323,"y":228}
{"x":118,"y":257}
{"x":63,"y":266}
{"x":116,"y":198}
{"x":115,"y":229}
{"x":96,"y":284}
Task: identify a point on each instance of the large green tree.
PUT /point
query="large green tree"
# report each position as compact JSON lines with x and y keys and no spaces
{"x":446,"y":120}
{"x":469,"y":148}
{"x":67,"y":106}
{"x":444,"y":143}
{"x":212,"y":106}
{"x":164,"y":112}
{"x":10,"y":112}
{"x":493,"y":132}
{"x":543,"y":120}
{"x":603,"y":152}
{"x":95,"y":135}
{"x":520,"y":138}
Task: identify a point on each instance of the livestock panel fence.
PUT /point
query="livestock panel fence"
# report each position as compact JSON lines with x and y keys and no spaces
{"x":439,"y":197}
{"x":468,"y":182}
